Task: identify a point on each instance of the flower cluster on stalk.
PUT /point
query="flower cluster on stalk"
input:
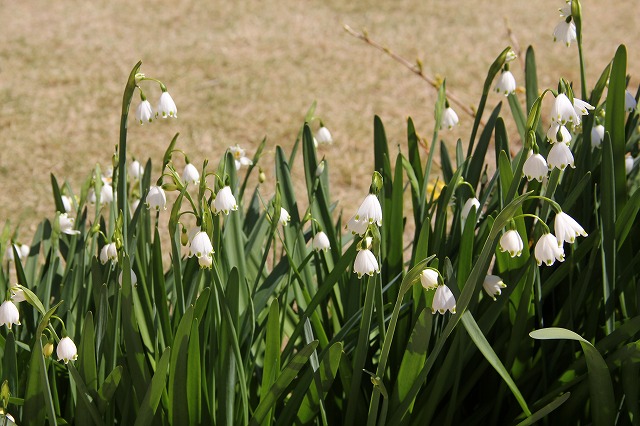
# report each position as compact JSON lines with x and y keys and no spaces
{"x":565,"y":31}
{"x":367,"y":217}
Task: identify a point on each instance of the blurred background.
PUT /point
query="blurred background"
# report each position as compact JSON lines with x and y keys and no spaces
{"x":242,"y":71}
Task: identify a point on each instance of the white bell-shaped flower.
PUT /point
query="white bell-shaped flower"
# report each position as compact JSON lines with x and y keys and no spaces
{"x":109,"y":252}
{"x":239,"y":156}
{"x":357,"y":227}
{"x":597,"y":136}
{"x":66,"y":203}
{"x":443,"y":300}
{"x":511,"y":242}
{"x":190,"y":174}
{"x":547,"y":250}
{"x":136,"y":170}
{"x":166,"y":106}
{"x":285,"y":217}
{"x":320,"y":241}
{"x":365,"y":263}
{"x":581,"y":107}
{"x":468,"y":205}
{"x":535,"y":167}
{"x":369,"y":211}
{"x":558,"y":133}
{"x":506,"y":83}
{"x":225,"y":201}
{"x":66,"y":224}
{"x":493,"y":285}
{"x":449,"y":118}
{"x":563,"y":111}
{"x":560,"y":156}
{"x":630,"y":102}
{"x":566,"y":228}
{"x":66,"y":350}
{"x":429,"y":278}
{"x":9,"y":314}
{"x":628,"y":163}
{"x":134,"y":279}
{"x":201,"y":248}
{"x":565,"y":32}
{"x":144,"y":112}
{"x":323,"y":136}
{"x":106,"y":194}
{"x":22,"y":249}
{"x":156,"y":198}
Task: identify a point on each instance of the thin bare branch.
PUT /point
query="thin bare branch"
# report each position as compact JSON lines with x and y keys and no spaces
{"x":416,"y":68}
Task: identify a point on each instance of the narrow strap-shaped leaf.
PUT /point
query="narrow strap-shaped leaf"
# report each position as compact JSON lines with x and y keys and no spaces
{"x":108,"y":388}
{"x":178,"y":410}
{"x":149,"y":404}
{"x":271,"y":368}
{"x":194,"y":374}
{"x":544,"y":411}
{"x":603,"y":405}
{"x":485,"y":347}
{"x":288,"y":374}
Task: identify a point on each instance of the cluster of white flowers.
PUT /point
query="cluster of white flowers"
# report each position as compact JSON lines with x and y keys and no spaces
{"x":200,"y":246}
{"x":166,"y":108}
{"x":549,"y":247}
{"x":565,"y":31}
{"x":368,"y":214}
{"x":443,"y":299}
{"x":109,"y":252}
{"x":506,"y":83}
{"x":564,"y":113}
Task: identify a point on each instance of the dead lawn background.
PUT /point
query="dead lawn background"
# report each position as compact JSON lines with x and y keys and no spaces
{"x":240,"y":71}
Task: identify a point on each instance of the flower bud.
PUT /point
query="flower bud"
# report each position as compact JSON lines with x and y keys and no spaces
{"x":47,"y":349}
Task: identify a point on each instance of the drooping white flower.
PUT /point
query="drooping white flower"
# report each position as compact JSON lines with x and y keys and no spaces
{"x":429,"y":278}
{"x":66,"y":203}
{"x":156,"y":198}
{"x":166,"y":106}
{"x":581,"y":107}
{"x":66,"y":224}
{"x":144,"y":112}
{"x":565,"y":32}
{"x":225,"y":201}
{"x":370,"y":211}
{"x":66,"y":350}
{"x":320,"y":241}
{"x":510,"y":57}
{"x":109,"y":252}
{"x":190,"y":174}
{"x":468,"y":205}
{"x":449,"y":118}
{"x":239,"y":156}
{"x":629,"y":101}
{"x":323,"y":136}
{"x":365,"y":263}
{"x":558,"y":133}
{"x":511,"y":242}
{"x":597,"y":136}
{"x":443,"y":300}
{"x":17,"y":295}
{"x":22,"y":249}
{"x":628,"y":163}
{"x":493,"y":285}
{"x":560,"y":156}
{"x":357,"y":227}
{"x":285,"y":217}
{"x":548,"y":251}
{"x":136,"y":170}
{"x":563,"y":111}
{"x":9,"y":314}
{"x":134,"y":279}
{"x":566,"y":228}
{"x":106,"y":194}
{"x":506,"y":83}
{"x":200,"y":245}
{"x":535,"y":167}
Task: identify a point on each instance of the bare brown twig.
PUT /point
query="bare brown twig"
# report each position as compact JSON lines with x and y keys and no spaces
{"x":415,"y":68}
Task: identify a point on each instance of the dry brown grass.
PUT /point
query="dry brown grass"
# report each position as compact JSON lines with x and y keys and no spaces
{"x":240,"y":71}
